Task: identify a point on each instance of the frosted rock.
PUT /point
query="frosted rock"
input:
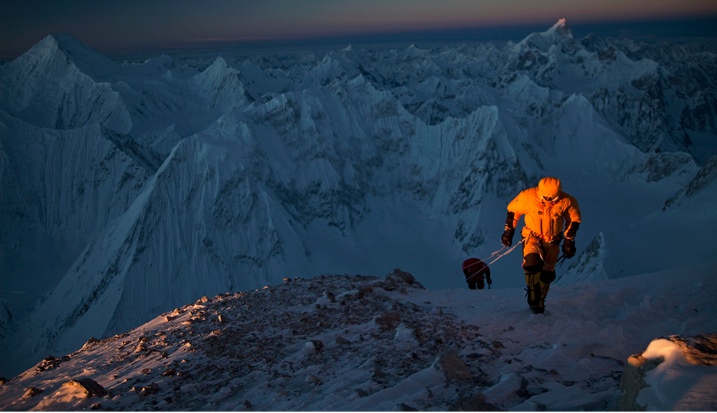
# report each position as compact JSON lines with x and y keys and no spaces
{"x":388,"y":321}
{"x":452,"y":366}
{"x":31,"y":392}
{"x":399,"y":275}
{"x":87,"y":387}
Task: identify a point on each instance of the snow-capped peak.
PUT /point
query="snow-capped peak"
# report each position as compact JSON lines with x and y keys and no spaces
{"x":559,"y":34}
{"x":560,"y":28}
{"x":90,"y":62}
{"x":55,"y":84}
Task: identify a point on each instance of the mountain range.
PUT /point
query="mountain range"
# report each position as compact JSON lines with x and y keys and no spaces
{"x":131,"y":188}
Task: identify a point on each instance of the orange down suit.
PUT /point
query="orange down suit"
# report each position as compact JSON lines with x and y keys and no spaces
{"x":544,"y":224}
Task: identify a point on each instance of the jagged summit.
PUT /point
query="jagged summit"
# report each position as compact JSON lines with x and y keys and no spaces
{"x":62,"y":84}
{"x":89,"y":61}
{"x":558,"y":34}
{"x":220,"y":85}
{"x":560,"y":28}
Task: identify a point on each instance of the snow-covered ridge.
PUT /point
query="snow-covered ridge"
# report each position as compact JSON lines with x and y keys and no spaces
{"x":359,"y":343}
{"x":149,"y":184}
{"x":45,"y":88}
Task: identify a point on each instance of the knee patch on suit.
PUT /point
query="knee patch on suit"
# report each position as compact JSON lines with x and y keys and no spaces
{"x":547,"y":276}
{"x":532,"y":263}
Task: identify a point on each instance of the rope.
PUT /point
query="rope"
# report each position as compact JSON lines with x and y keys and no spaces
{"x":500,"y":254}
{"x":505,"y":253}
{"x":494,"y":253}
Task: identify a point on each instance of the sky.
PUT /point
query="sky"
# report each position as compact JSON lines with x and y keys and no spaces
{"x":109,"y":26}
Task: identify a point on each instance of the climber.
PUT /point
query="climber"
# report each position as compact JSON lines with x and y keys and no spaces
{"x":547,"y":210}
{"x":474,"y":270}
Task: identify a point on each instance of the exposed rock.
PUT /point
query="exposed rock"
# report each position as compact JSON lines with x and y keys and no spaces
{"x":452,"y":366}
{"x":153,"y":388}
{"x":388,"y":321}
{"x":90,"y":342}
{"x":401,"y":275}
{"x":633,"y":380}
{"x":330,"y":296}
{"x":31,"y":392}
{"x":318,"y":345}
{"x":403,"y":407}
{"x":170,"y":372}
{"x":398,"y":277}
{"x":87,"y":387}
{"x":49,"y":363}
{"x":475,"y":403}
{"x":700,"y":349}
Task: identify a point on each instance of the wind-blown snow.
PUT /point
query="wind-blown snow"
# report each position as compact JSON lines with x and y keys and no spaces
{"x":129,"y":189}
{"x":677,"y":384}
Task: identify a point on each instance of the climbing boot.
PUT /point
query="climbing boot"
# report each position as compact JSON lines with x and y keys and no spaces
{"x":534,"y":292}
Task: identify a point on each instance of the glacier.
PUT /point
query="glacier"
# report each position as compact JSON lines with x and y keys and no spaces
{"x":133,"y":187}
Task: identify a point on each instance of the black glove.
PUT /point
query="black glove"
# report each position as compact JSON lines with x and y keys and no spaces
{"x":569,"y":247}
{"x":507,"y":238}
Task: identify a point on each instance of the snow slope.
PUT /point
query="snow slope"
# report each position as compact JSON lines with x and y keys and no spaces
{"x":137,"y":187}
{"x":357,"y":343}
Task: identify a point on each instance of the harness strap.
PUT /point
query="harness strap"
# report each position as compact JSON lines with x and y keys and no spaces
{"x":555,"y":239}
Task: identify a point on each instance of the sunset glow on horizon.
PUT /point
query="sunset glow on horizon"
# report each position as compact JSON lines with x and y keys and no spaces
{"x":127,"y":25}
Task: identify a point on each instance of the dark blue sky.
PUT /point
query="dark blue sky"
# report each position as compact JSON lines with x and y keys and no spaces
{"x":110,"y":25}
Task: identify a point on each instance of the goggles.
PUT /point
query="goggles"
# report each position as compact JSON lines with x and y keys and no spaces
{"x":550,"y":199}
